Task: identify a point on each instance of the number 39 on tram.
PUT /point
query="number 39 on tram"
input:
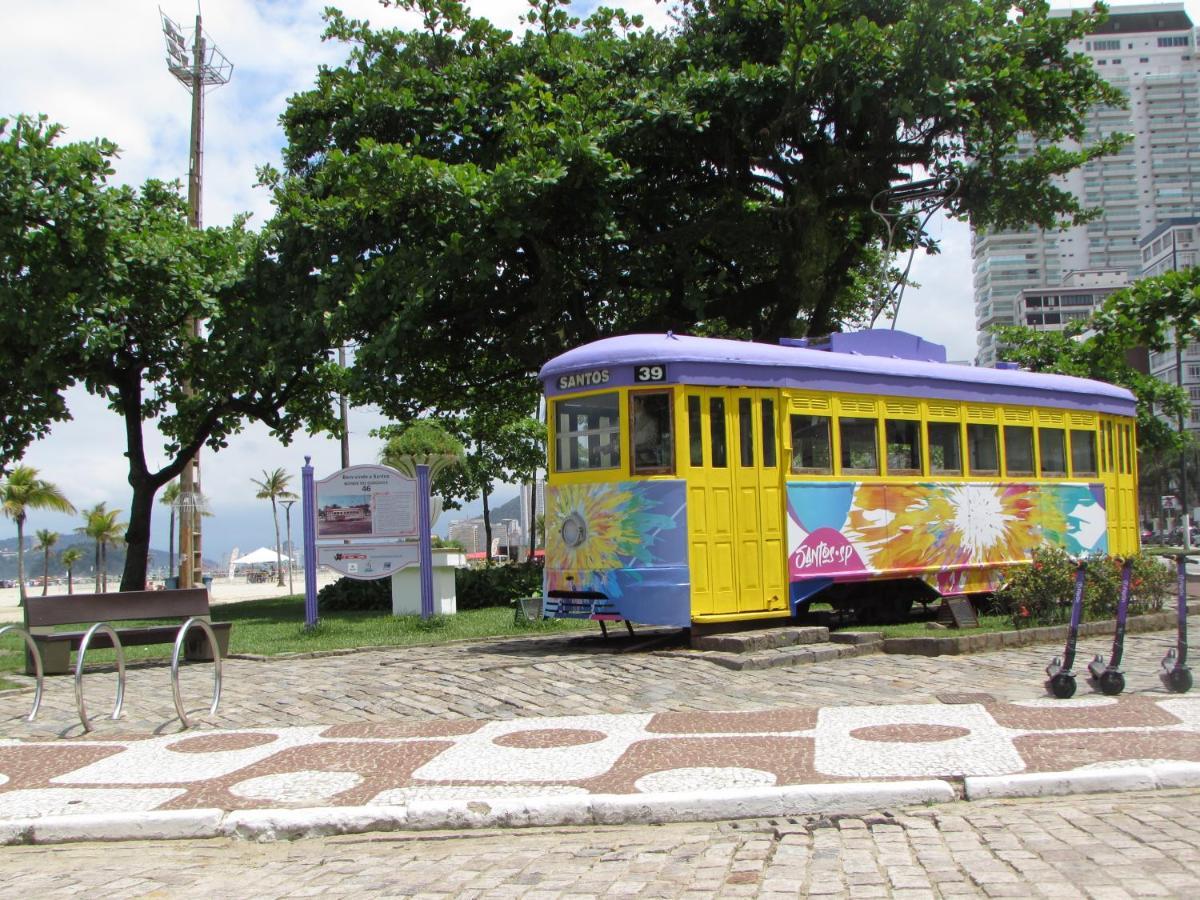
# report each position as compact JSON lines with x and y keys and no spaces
{"x":699,"y":480}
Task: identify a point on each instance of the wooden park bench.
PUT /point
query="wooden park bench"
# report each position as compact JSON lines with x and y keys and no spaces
{"x":42,"y":614}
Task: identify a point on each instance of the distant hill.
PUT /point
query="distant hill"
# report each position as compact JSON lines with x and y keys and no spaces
{"x":159,"y":559}
{"x":508,"y":510}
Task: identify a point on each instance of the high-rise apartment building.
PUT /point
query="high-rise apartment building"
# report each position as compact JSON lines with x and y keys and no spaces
{"x":1149,"y":52}
{"x":1172,"y":246}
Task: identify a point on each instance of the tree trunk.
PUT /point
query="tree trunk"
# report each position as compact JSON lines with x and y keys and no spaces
{"x":171,"y":544}
{"x":104,"y":567}
{"x":46,"y":572}
{"x":487,"y":525}
{"x":137,"y":536}
{"x":21,"y":556}
{"x":278,"y":552}
{"x":97,"y":566}
{"x":70,"y":583}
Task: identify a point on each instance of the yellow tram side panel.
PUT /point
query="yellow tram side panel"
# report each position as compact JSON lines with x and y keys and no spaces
{"x":1119,"y":478}
{"x":737,"y":535}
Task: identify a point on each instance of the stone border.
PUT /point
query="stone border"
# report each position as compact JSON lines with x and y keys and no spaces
{"x":1003,"y":640}
{"x":599,"y":809}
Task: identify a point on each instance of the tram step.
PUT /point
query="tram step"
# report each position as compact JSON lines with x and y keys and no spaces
{"x":761,"y":639}
{"x":787,"y":656}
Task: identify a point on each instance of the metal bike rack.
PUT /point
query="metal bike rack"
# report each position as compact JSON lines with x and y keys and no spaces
{"x":216,"y":655}
{"x":83,"y":645}
{"x":37,"y":665}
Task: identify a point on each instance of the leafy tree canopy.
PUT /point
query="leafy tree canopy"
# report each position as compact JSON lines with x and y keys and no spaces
{"x":1147,"y":314}
{"x":482,"y":202}
{"x":101,"y":285}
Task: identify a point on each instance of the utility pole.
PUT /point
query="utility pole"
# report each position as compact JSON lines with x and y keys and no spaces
{"x":196,"y":67}
{"x":344,"y":409}
{"x":291,"y":555}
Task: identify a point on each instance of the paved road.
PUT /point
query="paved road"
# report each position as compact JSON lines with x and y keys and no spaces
{"x":1119,"y":846}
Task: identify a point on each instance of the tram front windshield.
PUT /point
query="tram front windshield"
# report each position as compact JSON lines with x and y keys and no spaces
{"x":587,"y":433}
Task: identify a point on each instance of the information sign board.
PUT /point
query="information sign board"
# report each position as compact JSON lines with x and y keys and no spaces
{"x":368,"y":561}
{"x":366,"y":502}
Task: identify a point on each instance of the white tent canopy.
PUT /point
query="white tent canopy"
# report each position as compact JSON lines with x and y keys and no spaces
{"x":259,"y":557}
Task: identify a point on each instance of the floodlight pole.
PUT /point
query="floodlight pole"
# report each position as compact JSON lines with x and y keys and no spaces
{"x":207,"y":67}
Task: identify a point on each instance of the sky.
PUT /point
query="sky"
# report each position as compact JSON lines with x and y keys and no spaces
{"x":98,"y":68}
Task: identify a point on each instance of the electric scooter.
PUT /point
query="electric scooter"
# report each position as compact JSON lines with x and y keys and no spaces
{"x":1175,"y":675}
{"x":1109,"y":679}
{"x":1062,"y":680}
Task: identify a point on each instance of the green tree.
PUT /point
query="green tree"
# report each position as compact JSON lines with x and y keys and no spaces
{"x":104,"y":527}
{"x":274,"y":487}
{"x":483,"y":202}
{"x":46,"y":539}
{"x":1150,"y":314}
{"x":20,"y":492}
{"x":104,"y":286}
{"x":71,"y":556}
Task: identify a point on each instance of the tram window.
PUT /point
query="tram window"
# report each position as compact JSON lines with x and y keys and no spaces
{"x":860,"y":446}
{"x":811,"y":445}
{"x":768,"y":433}
{"x":1123,"y":434}
{"x":945,"y":448}
{"x":716,"y":419}
{"x":1083,"y":452}
{"x":983,"y":448}
{"x":746,"y":430}
{"x":587,"y":433}
{"x":903,"y":447}
{"x":1108,"y":447}
{"x":1052,"y":443}
{"x":653,"y":443}
{"x":695,"y":434}
{"x":1018,"y":450}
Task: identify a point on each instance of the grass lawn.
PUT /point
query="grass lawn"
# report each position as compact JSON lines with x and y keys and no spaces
{"x":276,"y":626}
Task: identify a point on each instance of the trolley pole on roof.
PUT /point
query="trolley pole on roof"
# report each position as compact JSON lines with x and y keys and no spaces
{"x":197,"y":67}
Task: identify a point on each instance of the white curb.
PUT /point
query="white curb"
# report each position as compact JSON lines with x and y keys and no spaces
{"x":289,"y":824}
{"x":126,"y":826}
{"x":1051,"y":784}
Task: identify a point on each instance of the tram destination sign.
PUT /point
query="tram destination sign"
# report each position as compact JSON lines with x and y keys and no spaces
{"x":650,"y":373}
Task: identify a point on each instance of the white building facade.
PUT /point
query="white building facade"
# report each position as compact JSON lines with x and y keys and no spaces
{"x":1149,"y":52}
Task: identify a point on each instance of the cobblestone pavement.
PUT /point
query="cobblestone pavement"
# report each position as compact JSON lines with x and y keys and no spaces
{"x":573,"y":718}
{"x":1119,"y":846}
{"x":540,"y":677}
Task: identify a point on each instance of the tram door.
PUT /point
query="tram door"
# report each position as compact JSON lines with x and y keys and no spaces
{"x":735,"y":503}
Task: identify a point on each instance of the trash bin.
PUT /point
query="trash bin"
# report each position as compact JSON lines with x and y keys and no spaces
{"x":207,"y":579}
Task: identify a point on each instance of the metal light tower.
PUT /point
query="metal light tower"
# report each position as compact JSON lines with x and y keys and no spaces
{"x":197,"y":66}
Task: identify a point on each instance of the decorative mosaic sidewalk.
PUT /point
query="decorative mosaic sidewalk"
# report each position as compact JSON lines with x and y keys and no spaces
{"x":395,"y":764}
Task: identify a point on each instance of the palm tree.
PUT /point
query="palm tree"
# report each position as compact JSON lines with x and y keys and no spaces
{"x":70,"y":556}
{"x":170,"y":499}
{"x":45,"y":540}
{"x":274,"y":487}
{"x":102,"y":526}
{"x":22,"y":492}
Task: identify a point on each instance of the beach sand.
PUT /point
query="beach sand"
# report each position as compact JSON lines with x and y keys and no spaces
{"x":224,"y":590}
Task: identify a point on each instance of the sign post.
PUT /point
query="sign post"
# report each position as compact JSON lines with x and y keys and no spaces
{"x":310,"y":544}
{"x":426,"y":542}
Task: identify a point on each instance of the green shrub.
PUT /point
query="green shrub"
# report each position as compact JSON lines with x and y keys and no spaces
{"x":497,"y":585}
{"x":475,"y":588}
{"x":1041,"y":593}
{"x":353,"y":595}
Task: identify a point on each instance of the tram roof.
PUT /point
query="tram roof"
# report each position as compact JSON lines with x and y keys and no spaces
{"x":719,"y":361}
